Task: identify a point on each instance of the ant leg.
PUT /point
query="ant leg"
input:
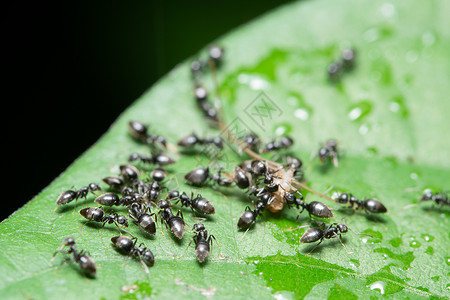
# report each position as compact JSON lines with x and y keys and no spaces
{"x":246,"y":232}
{"x":193,"y":239}
{"x":321,"y":240}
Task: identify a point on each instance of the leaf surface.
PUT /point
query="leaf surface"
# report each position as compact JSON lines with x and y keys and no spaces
{"x":389,"y":114}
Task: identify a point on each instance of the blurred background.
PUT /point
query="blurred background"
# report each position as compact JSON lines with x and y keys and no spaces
{"x":71,"y":67}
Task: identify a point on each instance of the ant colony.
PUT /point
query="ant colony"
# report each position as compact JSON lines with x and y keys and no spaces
{"x":139,"y":195}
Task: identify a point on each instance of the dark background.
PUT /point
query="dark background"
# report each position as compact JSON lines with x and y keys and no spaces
{"x":71,"y":67}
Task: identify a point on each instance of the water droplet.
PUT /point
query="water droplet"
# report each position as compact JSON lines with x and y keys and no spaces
{"x":428,"y":38}
{"x":415,"y":244}
{"x":447,"y":259}
{"x":413,"y":176}
{"x":427,"y":237}
{"x":388,"y":10}
{"x":371,"y":35}
{"x":435,"y":278}
{"x":282,"y":129}
{"x":359,"y":110}
{"x":429,"y":250}
{"x":256,"y":262}
{"x":396,"y":242}
{"x":301,"y":114}
{"x":411,"y":56}
{"x":254,"y":82}
{"x":378,"y":285}
{"x":363,"y":129}
{"x":260,"y":273}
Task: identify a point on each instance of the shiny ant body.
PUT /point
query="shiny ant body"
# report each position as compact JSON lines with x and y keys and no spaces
{"x":86,"y":263}
{"x":248,"y":217}
{"x":283,"y":143}
{"x":198,"y":204}
{"x":70,"y":195}
{"x":174,"y":222}
{"x":203,"y":241}
{"x":142,"y":216}
{"x":199,"y":176}
{"x":112,"y":199}
{"x":440,"y":199}
{"x":193,"y":140}
{"x":314,"y":208}
{"x":128,"y":246}
{"x":139,"y":131}
{"x":329,"y":151}
{"x":346,"y":63}
{"x":97,"y":214}
{"x":334,"y":230}
{"x":156,"y":159}
{"x":369,"y":205}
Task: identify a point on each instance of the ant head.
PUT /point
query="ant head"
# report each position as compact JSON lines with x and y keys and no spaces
{"x":198,"y":227}
{"x":70,"y":241}
{"x":342,"y":227}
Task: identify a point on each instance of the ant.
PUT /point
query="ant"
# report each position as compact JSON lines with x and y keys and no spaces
{"x":440,"y":199}
{"x":207,"y":108}
{"x":97,"y":214}
{"x":158,"y":174}
{"x":70,"y":195}
{"x":128,"y":246}
{"x":86,"y":263}
{"x":346,"y":63}
{"x":112,"y":199}
{"x":139,"y":132}
{"x":203,"y":242}
{"x":314,"y":208}
{"x":198,"y":177}
{"x":157,"y":159}
{"x":174,"y":222}
{"x":193,"y":139}
{"x":329,"y":150}
{"x":141,"y":215}
{"x":115,"y":182}
{"x":248,"y":217}
{"x":372,"y":205}
{"x":129,"y":172}
{"x":284,"y":143}
{"x":198,"y":204}
{"x":334,"y":230}
{"x":252,"y":142}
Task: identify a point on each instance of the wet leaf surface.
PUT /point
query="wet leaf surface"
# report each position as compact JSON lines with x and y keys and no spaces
{"x":389,"y":114}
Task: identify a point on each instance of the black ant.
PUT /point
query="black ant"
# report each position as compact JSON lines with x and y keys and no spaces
{"x":115,"y":182}
{"x":97,"y":214}
{"x":86,"y":263}
{"x":209,"y":111}
{"x":203,"y":242}
{"x":198,"y":204}
{"x":70,"y":195}
{"x":129,"y":172}
{"x":112,"y":199}
{"x":248,"y":217}
{"x":284,"y":143}
{"x":346,"y":63}
{"x":440,"y":199}
{"x":314,"y":208}
{"x":372,"y":205}
{"x":199,"y":176}
{"x":174,"y":222}
{"x":158,"y":174}
{"x":334,"y":230}
{"x":192,"y":140}
{"x":141,"y":215}
{"x":252,"y":142}
{"x":139,"y":132}
{"x":128,"y":246}
{"x":157,"y":159}
{"x":329,"y":150}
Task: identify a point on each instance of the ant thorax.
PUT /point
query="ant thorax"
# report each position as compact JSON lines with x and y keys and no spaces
{"x":282,"y":178}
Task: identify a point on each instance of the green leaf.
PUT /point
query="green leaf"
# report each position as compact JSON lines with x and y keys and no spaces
{"x":391,"y":118}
